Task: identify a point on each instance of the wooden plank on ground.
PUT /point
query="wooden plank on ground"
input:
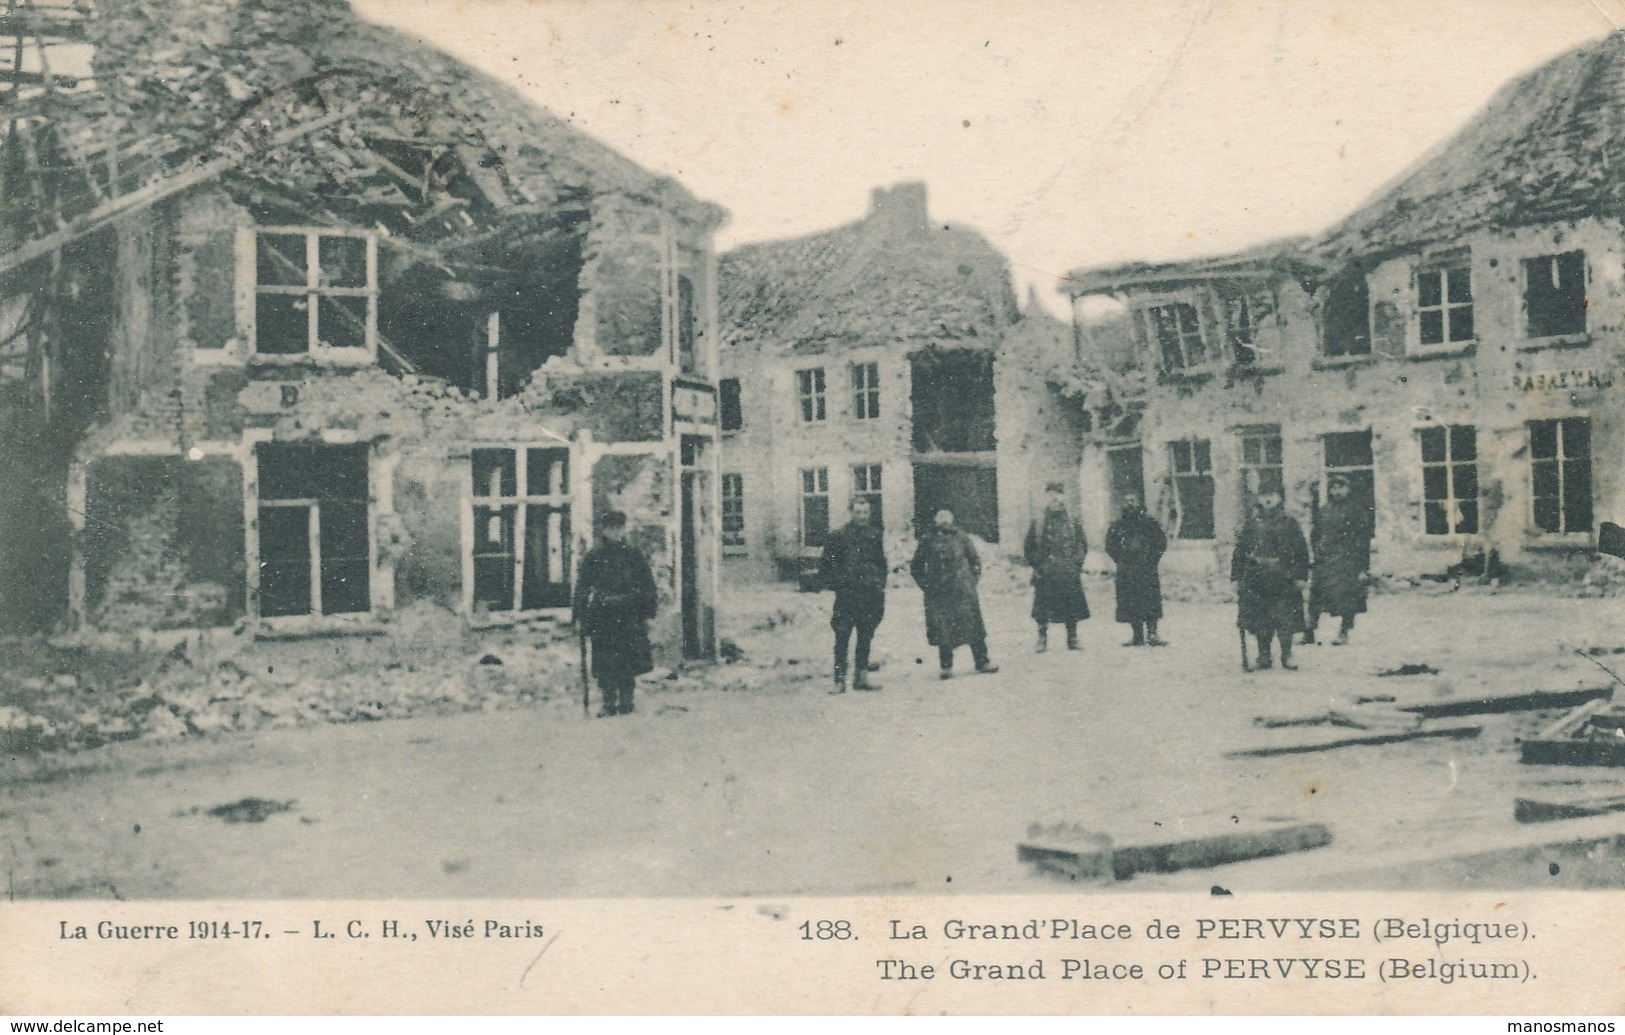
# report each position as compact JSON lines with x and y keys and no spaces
{"x":1371,"y":739}
{"x":1094,"y":857}
{"x":1535,"y":700}
{"x":1532,"y":810}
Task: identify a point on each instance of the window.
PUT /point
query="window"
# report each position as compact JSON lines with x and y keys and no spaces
{"x":521,"y":513}
{"x":1444,"y":305}
{"x":1176,"y":330}
{"x":866,"y":390}
{"x":1193,"y":486}
{"x":1450,"y":480}
{"x":1349,"y":453}
{"x":866,"y":486}
{"x":733,"y":513}
{"x":315,"y":543}
{"x":810,"y":390}
{"x":1241,"y":330}
{"x":1261,"y":469}
{"x":687,"y":359}
{"x":315,"y":292}
{"x":1346,"y":316}
{"x":1560,"y":465}
{"x":728,"y":402}
{"x":1125,"y":465}
{"x":814,"y":506}
{"x":1554,"y":294}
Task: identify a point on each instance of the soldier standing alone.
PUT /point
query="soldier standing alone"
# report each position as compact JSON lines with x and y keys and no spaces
{"x":1055,"y":550}
{"x":1136,"y":543}
{"x":1270,"y":568}
{"x":854,"y":566}
{"x":947,"y":568}
{"x":1342,"y":543}
{"x":615,"y":596}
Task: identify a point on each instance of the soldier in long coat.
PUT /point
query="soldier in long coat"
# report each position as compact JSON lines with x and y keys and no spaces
{"x":947,"y":569}
{"x":854,"y":566}
{"x":1342,"y":546}
{"x":1270,"y":567}
{"x":1055,"y":550}
{"x":615,"y":595}
{"x":1136,"y":543}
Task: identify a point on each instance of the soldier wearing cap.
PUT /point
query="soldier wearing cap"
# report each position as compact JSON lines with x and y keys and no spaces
{"x":1055,"y":550}
{"x":1270,"y":567}
{"x":615,"y":595}
{"x":854,"y":566}
{"x":1341,"y":541}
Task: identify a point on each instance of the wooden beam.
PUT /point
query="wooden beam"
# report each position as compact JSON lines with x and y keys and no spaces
{"x":1532,"y":701}
{"x":149,"y":195}
{"x":1452,"y":732}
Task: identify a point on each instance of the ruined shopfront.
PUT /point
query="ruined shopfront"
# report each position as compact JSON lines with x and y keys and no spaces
{"x":388,"y":342}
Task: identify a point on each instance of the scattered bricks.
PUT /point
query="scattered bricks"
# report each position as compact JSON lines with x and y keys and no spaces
{"x":1452,"y":732}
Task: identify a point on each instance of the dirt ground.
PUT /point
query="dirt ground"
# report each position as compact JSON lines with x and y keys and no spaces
{"x":750,"y":779}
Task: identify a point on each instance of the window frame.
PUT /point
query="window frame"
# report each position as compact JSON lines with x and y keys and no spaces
{"x":1560,"y":459}
{"x":313,"y":291}
{"x":1263,"y":437}
{"x":812,"y":400}
{"x":817,"y":487}
{"x":1199,"y":476}
{"x":865,"y":390}
{"x":520,"y":501}
{"x":1452,"y":501}
{"x":1525,"y":268}
{"x":731,"y":520}
{"x":1444,"y":308}
{"x":868,"y":483}
{"x":1151,"y":330}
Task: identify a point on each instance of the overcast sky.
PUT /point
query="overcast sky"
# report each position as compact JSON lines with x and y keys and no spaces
{"x":1070,"y":132}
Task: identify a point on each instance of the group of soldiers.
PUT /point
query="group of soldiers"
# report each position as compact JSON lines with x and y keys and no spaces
{"x":1271,"y":565}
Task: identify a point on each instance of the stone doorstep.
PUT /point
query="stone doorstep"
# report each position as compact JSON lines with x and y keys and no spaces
{"x":1095,"y":858}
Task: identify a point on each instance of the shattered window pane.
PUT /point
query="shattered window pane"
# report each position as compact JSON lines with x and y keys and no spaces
{"x":495,"y":472}
{"x":814,"y":506}
{"x":1555,"y":294}
{"x":1193,"y":486}
{"x":280,"y":260}
{"x":1560,"y":474}
{"x":341,"y":323}
{"x":343,"y":262}
{"x":295,"y":272}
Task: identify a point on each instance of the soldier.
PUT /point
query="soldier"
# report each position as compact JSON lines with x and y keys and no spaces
{"x":854,"y":566}
{"x":1136,"y":543}
{"x":615,"y":596}
{"x":1271,"y":569}
{"x":947,"y":568}
{"x":1342,"y":543}
{"x":1055,"y":551}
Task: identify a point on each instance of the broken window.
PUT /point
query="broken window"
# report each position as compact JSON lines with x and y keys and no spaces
{"x":315,"y":543}
{"x":866,"y":391}
{"x":1560,"y":469}
{"x":1175,"y":330}
{"x":315,"y":293}
{"x":1261,"y":467}
{"x":1192,"y":462}
{"x":1349,"y":453}
{"x":952,"y":401}
{"x":1241,"y":330}
{"x":1554,"y":294}
{"x":1346,"y":316}
{"x":1444,"y":305}
{"x":810,"y":391}
{"x":729,"y":404}
{"x":866,"y":487}
{"x":521,"y":510}
{"x":814,"y":506}
{"x":1450,"y":480}
{"x":1126,"y":467}
{"x":733,"y":513}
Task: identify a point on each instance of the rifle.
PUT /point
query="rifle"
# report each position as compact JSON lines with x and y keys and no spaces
{"x":1242,"y":633}
{"x":586,"y":679}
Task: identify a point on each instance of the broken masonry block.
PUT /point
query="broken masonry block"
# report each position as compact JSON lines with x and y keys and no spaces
{"x":1092,"y":856}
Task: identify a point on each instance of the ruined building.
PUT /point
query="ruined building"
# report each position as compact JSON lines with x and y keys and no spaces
{"x":304,"y":322}
{"x":1454,"y":347}
{"x":859,"y":362}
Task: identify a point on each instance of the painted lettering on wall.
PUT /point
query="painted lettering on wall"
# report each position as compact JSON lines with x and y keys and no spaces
{"x":1562,"y":380}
